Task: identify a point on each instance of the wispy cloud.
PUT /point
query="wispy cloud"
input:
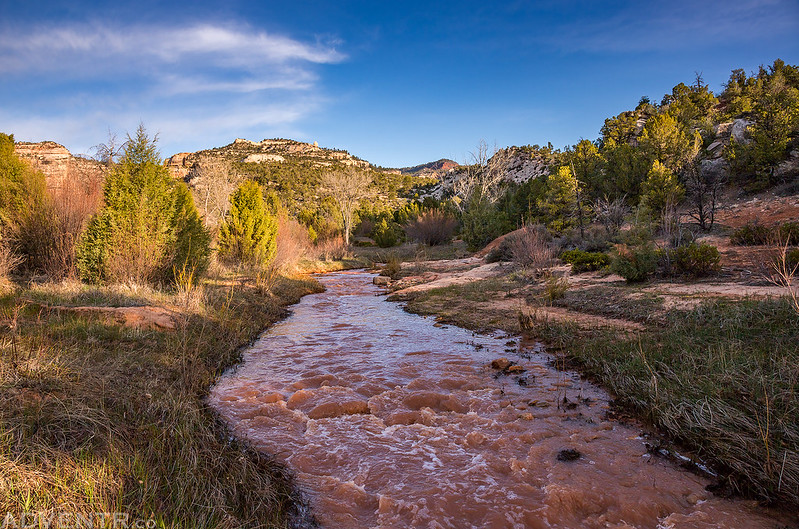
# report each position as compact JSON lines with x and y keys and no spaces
{"x":191,"y":82}
{"x":652,"y":26}
{"x":62,"y":48}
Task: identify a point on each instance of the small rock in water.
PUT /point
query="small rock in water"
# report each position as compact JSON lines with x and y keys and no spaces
{"x":501,"y":364}
{"x":516,"y":369}
{"x":380,"y":281}
{"x":569,"y":454}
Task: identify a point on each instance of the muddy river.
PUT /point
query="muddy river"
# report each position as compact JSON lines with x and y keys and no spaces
{"x":390,"y":420}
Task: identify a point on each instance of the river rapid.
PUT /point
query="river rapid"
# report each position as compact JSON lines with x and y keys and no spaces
{"x":389,"y":420}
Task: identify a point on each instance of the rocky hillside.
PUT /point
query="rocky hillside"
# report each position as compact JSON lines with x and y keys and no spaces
{"x":435,"y":169}
{"x":58,"y":164}
{"x":185,"y":165}
{"x":517,"y":164}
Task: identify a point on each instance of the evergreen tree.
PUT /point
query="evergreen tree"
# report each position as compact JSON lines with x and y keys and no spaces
{"x":660,"y":189}
{"x":665,"y":140}
{"x":559,"y":202}
{"x":248,"y":233}
{"x":148,"y":229}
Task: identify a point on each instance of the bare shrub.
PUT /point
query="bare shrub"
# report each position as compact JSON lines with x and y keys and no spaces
{"x":782,"y":271}
{"x":611,"y":214}
{"x":293,"y":243}
{"x":9,"y":260}
{"x":49,"y":234}
{"x":433,"y":227}
{"x":332,"y":249}
{"x":531,"y":247}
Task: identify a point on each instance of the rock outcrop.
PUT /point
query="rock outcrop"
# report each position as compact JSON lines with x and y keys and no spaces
{"x":182,"y":165}
{"x":517,"y":165}
{"x":59,"y":166}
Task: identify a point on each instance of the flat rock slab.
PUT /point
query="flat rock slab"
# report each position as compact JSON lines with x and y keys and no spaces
{"x":145,"y":317}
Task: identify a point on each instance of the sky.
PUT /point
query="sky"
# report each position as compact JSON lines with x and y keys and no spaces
{"x":395,"y":83}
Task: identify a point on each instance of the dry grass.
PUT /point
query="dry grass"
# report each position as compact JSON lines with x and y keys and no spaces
{"x":781,"y":272}
{"x":95,"y":417}
{"x":721,"y":379}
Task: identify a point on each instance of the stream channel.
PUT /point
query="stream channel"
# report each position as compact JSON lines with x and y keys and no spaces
{"x":388,"y":419}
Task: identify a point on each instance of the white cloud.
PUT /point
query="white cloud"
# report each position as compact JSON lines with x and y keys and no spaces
{"x":61,"y":48}
{"x":195,"y":84}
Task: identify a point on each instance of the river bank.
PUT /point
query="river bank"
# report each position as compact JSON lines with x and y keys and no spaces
{"x":392,"y":420}
{"x":711,"y":364}
{"x":102,"y":406}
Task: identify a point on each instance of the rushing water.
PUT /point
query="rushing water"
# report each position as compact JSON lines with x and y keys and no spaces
{"x":390,"y":420}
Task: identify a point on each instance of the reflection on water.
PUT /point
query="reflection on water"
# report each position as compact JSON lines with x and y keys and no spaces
{"x":389,"y":421}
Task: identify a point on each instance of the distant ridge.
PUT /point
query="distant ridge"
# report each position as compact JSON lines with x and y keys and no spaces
{"x":443,"y":165}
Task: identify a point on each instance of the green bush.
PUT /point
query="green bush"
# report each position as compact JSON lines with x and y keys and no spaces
{"x":387,"y":233}
{"x":789,"y":233}
{"x":792,"y":258}
{"x":148,"y":230}
{"x":393,"y":267}
{"x":634,"y":264}
{"x":481,"y":223}
{"x":696,"y":260}
{"x":249,"y":232}
{"x":585,"y":261}
{"x":750,"y":235}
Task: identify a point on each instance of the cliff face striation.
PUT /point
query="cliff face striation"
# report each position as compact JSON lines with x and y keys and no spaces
{"x":59,"y":166}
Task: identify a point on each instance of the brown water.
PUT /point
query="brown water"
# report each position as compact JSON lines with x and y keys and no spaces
{"x":391,"y":421}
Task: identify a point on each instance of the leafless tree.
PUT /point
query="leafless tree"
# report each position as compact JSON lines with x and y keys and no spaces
{"x":108,"y":152}
{"x":704,"y":189}
{"x":483,"y":177}
{"x":611,"y":214}
{"x":213,"y":181}
{"x":347,"y":187}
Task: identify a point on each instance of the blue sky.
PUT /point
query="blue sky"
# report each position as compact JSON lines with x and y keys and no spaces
{"x":395,"y":83}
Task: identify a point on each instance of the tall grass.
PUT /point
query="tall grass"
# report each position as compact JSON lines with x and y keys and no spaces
{"x":95,"y":417}
{"x":722,"y":378}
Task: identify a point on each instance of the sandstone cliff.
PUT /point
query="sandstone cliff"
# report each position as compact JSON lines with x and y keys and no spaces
{"x":59,"y":166}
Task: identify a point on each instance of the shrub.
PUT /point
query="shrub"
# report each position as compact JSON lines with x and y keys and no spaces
{"x":585,"y":261}
{"x":393,"y":267}
{"x":148,"y":228}
{"x":433,"y":227}
{"x":69,"y":210}
{"x":555,"y":287}
{"x":332,"y":248}
{"x":792,"y":258}
{"x":481,"y":223}
{"x":500,"y":253}
{"x":387,"y":233}
{"x":248,"y":233}
{"x":634,"y":264}
{"x":531,"y":247}
{"x":696,"y":260}
{"x":9,"y":260}
{"x":789,"y":233}
{"x":750,"y":235}
{"x":293,"y":243}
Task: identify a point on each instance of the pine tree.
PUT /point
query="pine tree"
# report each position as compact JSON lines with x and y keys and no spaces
{"x":660,"y":189}
{"x":248,"y":233}
{"x":148,"y":229}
